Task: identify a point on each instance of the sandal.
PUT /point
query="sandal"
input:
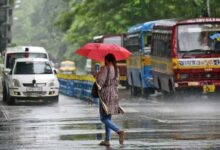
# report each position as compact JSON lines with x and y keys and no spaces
{"x":121,"y":137}
{"x":104,"y":143}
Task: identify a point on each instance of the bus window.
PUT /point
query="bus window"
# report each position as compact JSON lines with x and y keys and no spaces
{"x":161,"y":45}
{"x":132,"y":43}
{"x":147,"y":40}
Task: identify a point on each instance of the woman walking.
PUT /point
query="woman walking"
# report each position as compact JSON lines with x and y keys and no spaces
{"x":108,"y":79}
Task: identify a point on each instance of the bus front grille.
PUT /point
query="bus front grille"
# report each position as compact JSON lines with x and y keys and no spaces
{"x":205,"y":76}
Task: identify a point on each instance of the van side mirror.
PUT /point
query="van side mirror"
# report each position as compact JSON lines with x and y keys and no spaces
{"x":8,"y":71}
{"x":55,"y":71}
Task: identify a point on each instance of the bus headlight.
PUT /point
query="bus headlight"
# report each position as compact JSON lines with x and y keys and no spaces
{"x":16,"y":83}
{"x":183,"y":76}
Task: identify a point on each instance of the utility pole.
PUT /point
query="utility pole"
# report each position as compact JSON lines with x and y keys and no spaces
{"x":5,"y":23}
{"x":208,"y":8}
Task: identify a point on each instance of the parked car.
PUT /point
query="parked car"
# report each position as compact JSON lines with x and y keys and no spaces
{"x":31,"y":79}
{"x":13,"y":53}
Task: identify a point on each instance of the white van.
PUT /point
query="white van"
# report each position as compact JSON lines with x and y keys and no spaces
{"x":11,"y":54}
{"x":23,"y":52}
{"x":30,"y":79}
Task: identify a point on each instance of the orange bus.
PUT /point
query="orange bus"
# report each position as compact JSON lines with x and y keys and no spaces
{"x":186,"y":56}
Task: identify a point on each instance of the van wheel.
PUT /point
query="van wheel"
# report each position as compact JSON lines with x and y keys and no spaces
{"x":148,"y":91}
{"x":56,"y":99}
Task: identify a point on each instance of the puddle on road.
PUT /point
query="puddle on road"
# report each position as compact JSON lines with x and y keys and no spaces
{"x":165,"y":123}
{"x":82,"y":137}
{"x":145,"y":129}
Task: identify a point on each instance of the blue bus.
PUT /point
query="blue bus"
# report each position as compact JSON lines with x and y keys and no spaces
{"x":138,"y":41}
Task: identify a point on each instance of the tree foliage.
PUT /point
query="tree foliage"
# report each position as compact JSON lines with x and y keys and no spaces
{"x":80,"y":20}
{"x":35,"y":25}
{"x":87,"y":18}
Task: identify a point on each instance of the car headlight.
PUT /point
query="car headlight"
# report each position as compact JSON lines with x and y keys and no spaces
{"x":16,"y":83}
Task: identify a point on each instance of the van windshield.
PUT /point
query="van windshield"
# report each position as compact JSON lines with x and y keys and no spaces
{"x":33,"y":68}
{"x":12,"y":56}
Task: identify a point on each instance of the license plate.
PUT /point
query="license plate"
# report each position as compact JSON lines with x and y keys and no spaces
{"x":33,"y":94}
{"x":208,"y":88}
{"x":34,"y":89}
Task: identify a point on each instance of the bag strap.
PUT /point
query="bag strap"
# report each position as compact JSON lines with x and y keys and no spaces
{"x":107,"y":78}
{"x":104,"y":106}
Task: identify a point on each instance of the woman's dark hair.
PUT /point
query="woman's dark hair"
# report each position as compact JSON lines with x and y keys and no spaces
{"x":111,"y":58}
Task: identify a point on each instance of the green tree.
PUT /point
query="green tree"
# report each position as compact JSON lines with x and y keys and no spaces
{"x":62,"y":26}
{"x":87,"y":18}
{"x":35,"y":26}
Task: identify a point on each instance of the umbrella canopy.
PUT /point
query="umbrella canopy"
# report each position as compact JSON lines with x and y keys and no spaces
{"x":98,"y":51}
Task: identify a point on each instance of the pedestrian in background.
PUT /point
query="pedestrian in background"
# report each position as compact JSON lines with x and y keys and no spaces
{"x":108,"y":79}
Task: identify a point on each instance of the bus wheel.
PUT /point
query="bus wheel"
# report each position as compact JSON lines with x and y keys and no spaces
{"x":135,"y":91}
{"x":127,"y":85}
{"x":159,"y":86}
{"x":171,"y":95}
{"x":148,"y":91}
{"x":132,"y":90}
{"x":172,"y":92}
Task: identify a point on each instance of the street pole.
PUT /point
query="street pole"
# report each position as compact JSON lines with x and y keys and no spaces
{"x":208,"y":8}
{"x":5,"y":23}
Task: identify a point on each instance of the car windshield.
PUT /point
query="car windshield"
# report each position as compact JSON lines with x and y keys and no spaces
{"x":199,"y":38}
{"x":33,"y":68}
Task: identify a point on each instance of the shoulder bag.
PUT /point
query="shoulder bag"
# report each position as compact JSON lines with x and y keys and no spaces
{"x":95,"y":90}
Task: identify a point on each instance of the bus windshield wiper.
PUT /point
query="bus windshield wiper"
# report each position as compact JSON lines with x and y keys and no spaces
{"x":205,"y":51}
{"x":192,"y":51}
{"x":197,"y":50}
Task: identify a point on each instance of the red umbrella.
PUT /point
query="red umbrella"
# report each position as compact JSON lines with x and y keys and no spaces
{"x":97,"y":51}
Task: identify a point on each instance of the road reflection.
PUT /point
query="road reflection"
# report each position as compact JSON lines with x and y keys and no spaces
{"x":152,"y":123}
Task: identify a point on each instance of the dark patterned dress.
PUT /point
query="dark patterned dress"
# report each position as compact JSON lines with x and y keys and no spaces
{"x":109,"y":91}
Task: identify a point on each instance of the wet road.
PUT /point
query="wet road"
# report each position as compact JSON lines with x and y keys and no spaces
{"x":74,"y":124}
